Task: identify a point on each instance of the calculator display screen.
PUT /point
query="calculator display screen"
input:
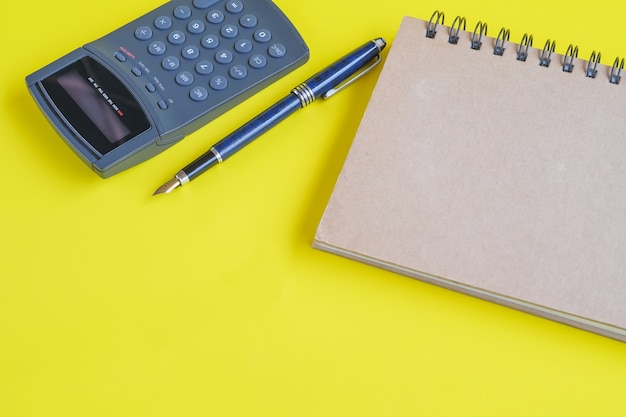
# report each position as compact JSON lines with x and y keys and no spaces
{"x":96,"y":104}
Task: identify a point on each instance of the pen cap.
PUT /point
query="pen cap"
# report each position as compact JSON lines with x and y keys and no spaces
{"x":346,"y":67}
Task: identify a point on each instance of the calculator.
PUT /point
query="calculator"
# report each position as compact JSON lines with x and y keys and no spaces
{"x":131,"y":94}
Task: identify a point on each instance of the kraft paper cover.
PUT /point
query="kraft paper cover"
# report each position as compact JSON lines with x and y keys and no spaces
{"x":496,"y":177}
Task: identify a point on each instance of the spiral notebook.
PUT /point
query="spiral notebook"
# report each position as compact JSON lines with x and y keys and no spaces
{"x":492,"y":168}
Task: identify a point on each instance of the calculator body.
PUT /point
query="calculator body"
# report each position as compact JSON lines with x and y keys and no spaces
{"x":129,"y":95}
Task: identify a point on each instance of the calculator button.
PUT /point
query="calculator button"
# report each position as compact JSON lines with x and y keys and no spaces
{"x":191,"y":52}
{"x":257,"y":61}
{"x":136,"y":71}
{"x":210,"y":41}
{"x":262,"y":35}
{"x":218,"y":83}
{"x":238,"y":72}
{"x":157,"y":48}
{"x":182,"y":12}
{"x":224,"y":56}
{"x":143,"y":33}
{"x":184,"y":78}
{"x":204,"y":4}
{"x":229,"y":31}
{"x":150,"y":87}
{"x":162,"y":104}
{"x":196,"y":27}
{"x":170,"y":63}
{"x":248,"y":21}
{"x":176,"y":38}
{"x":163,"y":22}
{"x":204,"y":67}
{"x":234,"y":6}
{"x":199,"y":94}
{"x":120,"y":56}
{"x":215,"y":16}
{"x":243,"y":46}
{"x":277,"y":50}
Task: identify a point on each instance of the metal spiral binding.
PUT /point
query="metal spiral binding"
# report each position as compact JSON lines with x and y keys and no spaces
{"x":616,"y":71}
{"x":526,"y":43}
{"x":455,"y":28}
{"x":431,"y":29}
{"x":503,"y":37}
{"x":570,"y":55}
{"x":477,"y":39}
{"x":592,"y":65}
{"x":546,"y":54}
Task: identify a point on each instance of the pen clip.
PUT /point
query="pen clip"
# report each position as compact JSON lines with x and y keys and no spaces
{"x":340,"y":87}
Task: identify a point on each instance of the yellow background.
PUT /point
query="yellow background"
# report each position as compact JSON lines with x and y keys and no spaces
{"x":211,"y":302}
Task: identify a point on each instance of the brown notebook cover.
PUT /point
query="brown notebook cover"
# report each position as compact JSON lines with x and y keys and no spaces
{"x":492,"y":176}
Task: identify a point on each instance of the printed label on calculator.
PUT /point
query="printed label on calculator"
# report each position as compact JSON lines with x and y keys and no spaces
{"x":131,"y":94}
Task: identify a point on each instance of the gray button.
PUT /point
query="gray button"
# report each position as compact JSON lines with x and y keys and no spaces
{"x":184,"y":78}
{"x":238,"y":72}
{"x":248,"y":21}
{"x":157,"y":48}
{"x":163,"y":22}
{"x":277,"y":50}
{"x":257,"y":61}
{"x":204,"y":4}
{"x":143,"y":33}
{"x":234,"y":6}
{"x":204,"y":67}
{"x":243,"y":46}
{"x":210,"y":41}
{"x":195,"y":27}
{"x":182,"y":12}
{"x":198,"y":94}
{"x":218,"y":83}
{"x":190,"y":52}
{"x":215,"y":16}
{"x":262,"y":35}
{"x":176,"y":38}
{"x":170,"y":63}
{"x":224,"y":56}
{"x":229,"y":31}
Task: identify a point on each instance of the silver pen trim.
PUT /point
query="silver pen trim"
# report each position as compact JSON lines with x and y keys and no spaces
{"x":182,"y":177}
{"x":304,"y":94}
{"x":217,"y":154}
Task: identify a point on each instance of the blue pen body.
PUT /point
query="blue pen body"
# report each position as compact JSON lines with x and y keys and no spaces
{"x":344,"y":68}
{"x":243,"y":136}
{"x":318,"y":85}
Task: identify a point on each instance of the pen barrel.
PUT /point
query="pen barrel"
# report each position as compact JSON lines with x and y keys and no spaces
{"x":257,"y":126}
{"x":244,"y":135}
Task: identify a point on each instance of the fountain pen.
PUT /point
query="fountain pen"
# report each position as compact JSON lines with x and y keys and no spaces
{"x":323,"y":84}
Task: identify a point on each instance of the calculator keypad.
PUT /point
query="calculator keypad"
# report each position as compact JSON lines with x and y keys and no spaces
{"x":195,"y":40}
{"x":191,"y":60}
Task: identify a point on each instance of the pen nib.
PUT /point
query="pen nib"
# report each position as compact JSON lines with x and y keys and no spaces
{"x":168,"y":187}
